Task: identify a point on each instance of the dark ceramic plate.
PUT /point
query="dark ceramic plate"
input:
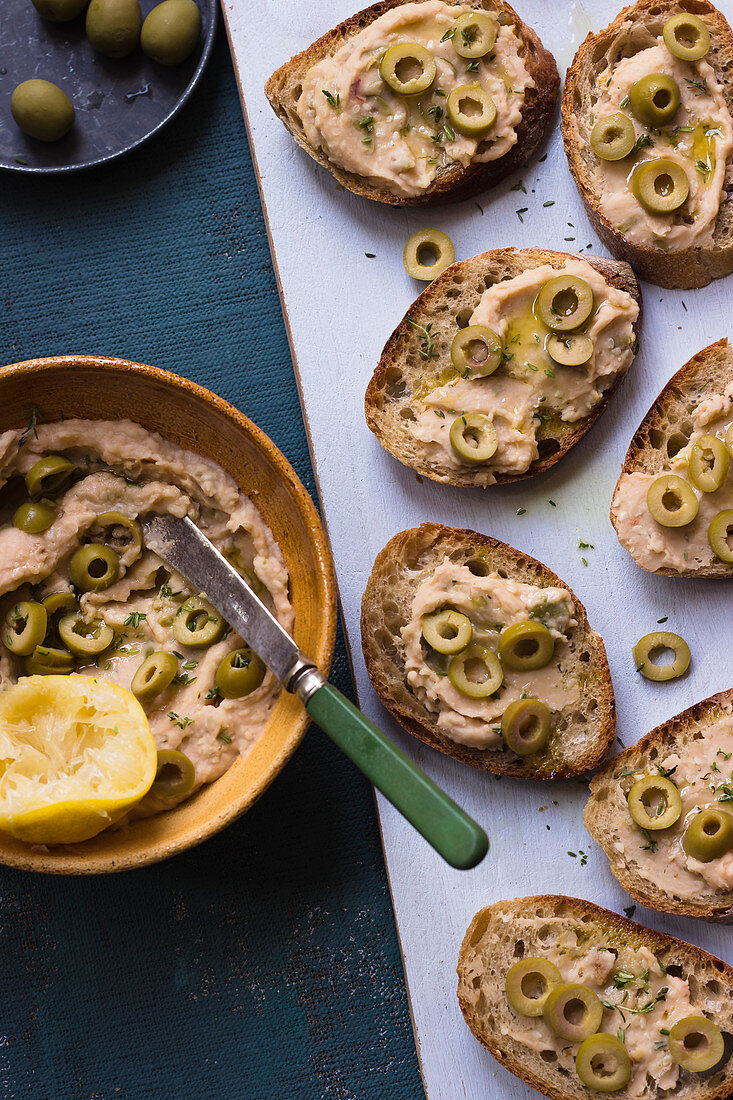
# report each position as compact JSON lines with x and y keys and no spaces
{"x":119,"y":104}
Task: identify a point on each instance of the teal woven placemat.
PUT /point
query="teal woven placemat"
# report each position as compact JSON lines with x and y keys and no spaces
{"x":265,"y":962}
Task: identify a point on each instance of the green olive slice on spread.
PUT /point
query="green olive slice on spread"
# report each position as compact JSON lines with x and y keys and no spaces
{"x":240,"y":673}
{"x":474,"y":34}
{"x":94,"y":567}
{"x":33,"y":517}
{"x":564,"y":303}
{"x":602,"y":1063}
{"x":573,"y":1011}
{"x":59,"y":601}
{"x":708,"y":465}
{"x":650,"y":644}
{"x":155,"y":674}
{"x":48,"y":475}
{"x":197,"y":623}
{"x":671,"y":501}
{"x":695,"y":1043}
{"x":729,"y":439}
{"x":408,"y":69}
{"x":427,"y":253}
{"x":477,"y":349}
{"x":686,"y":36}
{"x":118,"y":531}
{"x":476,"y":672}
{"x":529,"y":983}
{"x":571,"y":349}
{"x":525,"y":725}
{"x":613,"y":136}
{"x":175,"y":777}
{"x":49,"y":661}
{"x":719,"y":534}
{"x":473,"y":438}
{"x":526,"y":645}
{"x":654,"y":99}
{"x":85,"y":639}
{"x":447,"y":631}
{"x":661,"y":185}
{"x":25,"y":627}
{"x":471,"y":109}
{"x":709,"y":835}
{"x":654,"y":802}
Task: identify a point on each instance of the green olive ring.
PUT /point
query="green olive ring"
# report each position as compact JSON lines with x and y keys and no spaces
{"x":427,"y":253}
{"x":655,"y":99}
{"x":661,"y":185}
{"x":48,"y":475}
{"x":602,"y":1063}
{"x":613,"y":136}
{"x":476,"y":349}
{"x":49,"y":661}
{"x":118,"y":531}
{"x":719,"y":533}
{"x":654,"y":802}
{"x":671,"y":501}
{"x":94,"y":567}
{"x":474,"y":34}
{"x":473,"y":438}
{"x":25,"y":627}
{"x":175,"y":776}
{"x":59,"y":601}
{"x":85,"y":639}
{"x":708,"y":464}
{"x":197,"y":623}
{"x":661,"y":639}
{"x":447,"y":631}
{"x":695,"y":1043}
{"x":525,"y":725}
{"x":526,"y":645}
{"x":239,"y":673}
{"x":156,"y":673}
{"x":34,"y":517}
{"x":529,"y":982}
{"x":476,"y":672}
{"x":408,"y":69}
{"x":573,"y":1012}
{"x":471,"y":109}
{"x":686,"y":36}
{"x":570,"y":349}
{"x":729,"y":439}
{"x":709,"y":835}
{"x":564,"y":303}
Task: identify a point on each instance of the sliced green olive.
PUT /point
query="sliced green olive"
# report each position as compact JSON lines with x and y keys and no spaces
{"x":447,"y":631}
{"x":671,"y":501}
{"x":471,"y":109}
{"x":650,"y":644}
{"x":526,"y":645}
{"x":474,"y":34}
{"x":118,"y":531}
{"x":60,"y":601}
{"x":602,"y":1063}
{"x":529,"y":983}
{"x":25,"y":627}
{"x":719,"y":534}
{"x":476,"y":672}
{"x":33,"y":517}
{"x":661,"y":185}
{"x":729,"y":440}
{"x":570,"y":349}
{"x":708,"y":465}
{"x":47,"y":476}
{"x":197,"y":623}
{"x":654,"y":802}
{"x":477,"y":349}
{"x":239,"y":674}
{"x":94,"y":567}
{"x":709,"y":835}
{"x":473,"y":438}
{"x":175,"y":776}
{"x":686,"y":36}
{"x":427,"y":253}
{"x":573,"y":1011}
{"x":613,"y":136}
{"x":49,"y":661}
{"x":564,"y":303}
{"x":85,"y":639}
{"x":155,"y":674}
{"x":695,"y":1043}
{"x":408,"y":69}
{"x":654,"y":99}
{"x":525,"y":725}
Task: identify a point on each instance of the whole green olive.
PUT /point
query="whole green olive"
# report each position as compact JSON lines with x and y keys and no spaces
{"x":94,"y":567}
{"x":239,"y":674}
{"x":171,"y":31}
{"x":42,"y":110}
{"x":709,"y":835}
{"x":59,"y":11}
{"x":113,"y":26}
{"x":48,"y":475}
{"x":654,"y":99}
{"x":33,"y":517}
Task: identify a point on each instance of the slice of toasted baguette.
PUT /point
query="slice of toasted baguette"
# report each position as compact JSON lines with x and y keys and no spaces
{"x":502,"y":933}
{"x":582,"y":739}
{"x":608,"y":801}
{"x":453,"y":183}
{"x":452,"y":297}
{"x":634,"y":29}
{"x":666,"y":428}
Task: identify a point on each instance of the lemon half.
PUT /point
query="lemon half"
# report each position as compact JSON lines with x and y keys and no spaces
{"x":75,"y":754}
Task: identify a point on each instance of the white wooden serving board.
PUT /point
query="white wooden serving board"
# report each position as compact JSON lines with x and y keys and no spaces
{"x":340,"y":307}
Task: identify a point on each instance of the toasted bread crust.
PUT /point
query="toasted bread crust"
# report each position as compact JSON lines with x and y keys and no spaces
{"x":595,"y":923}
{"x":392,"y":582}
{"x":600,"y":824}
{"x":683,"y":267}
{"x":454,"y":183}
{"x":695,"y":380}
{"x":505,"y":262}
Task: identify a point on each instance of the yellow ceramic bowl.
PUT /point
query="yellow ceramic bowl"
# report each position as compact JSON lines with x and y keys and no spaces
{"x":193,"y":417}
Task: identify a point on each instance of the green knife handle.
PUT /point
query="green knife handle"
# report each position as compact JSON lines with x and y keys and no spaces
{"x":453,"y":834}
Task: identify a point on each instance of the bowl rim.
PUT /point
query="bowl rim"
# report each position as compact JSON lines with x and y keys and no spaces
{"x":51,"y":862}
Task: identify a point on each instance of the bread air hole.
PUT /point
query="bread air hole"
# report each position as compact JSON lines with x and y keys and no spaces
{"x":477,"y":568}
